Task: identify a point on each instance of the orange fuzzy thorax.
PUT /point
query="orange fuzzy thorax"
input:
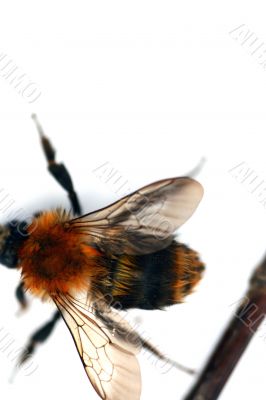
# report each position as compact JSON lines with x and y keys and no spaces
{"x":54,"y":259}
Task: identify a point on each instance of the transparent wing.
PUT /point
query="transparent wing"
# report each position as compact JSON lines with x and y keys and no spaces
{"x":107,"y":356}
{"x":144,"y":221}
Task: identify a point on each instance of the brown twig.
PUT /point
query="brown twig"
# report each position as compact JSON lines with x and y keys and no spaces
{"x":234,"y":341}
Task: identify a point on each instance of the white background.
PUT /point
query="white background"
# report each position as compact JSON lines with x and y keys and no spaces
{"x":150,"y":87}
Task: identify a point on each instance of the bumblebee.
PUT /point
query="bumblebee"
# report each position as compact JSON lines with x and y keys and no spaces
{"x":94,"y":265}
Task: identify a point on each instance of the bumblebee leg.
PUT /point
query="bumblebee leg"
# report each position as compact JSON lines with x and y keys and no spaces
{"x":21,"y":297}
{"x":136,"y":339}
{"x":38,"y":337}
{"x":58,"y":171}
{"x":168,"y":361}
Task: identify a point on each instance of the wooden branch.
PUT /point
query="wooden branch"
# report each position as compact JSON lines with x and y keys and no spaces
{"x":241,"y":329}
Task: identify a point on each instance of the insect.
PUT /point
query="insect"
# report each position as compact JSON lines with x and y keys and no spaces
{"x":94,"y":265}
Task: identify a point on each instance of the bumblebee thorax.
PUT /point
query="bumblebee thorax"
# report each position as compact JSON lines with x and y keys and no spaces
{"x":53,"y":258}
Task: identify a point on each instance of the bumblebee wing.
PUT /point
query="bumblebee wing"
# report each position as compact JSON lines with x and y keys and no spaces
{"x":144,"y":221}
{"x":108,"y":359}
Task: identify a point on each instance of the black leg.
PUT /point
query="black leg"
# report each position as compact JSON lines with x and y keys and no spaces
{"x":58,"y":171}
{"x":20,"y":296}
{"x":135,"y":338}
{"x":38,"y":337}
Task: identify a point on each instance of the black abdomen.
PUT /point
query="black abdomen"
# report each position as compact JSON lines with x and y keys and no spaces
{"x":156,"y":280}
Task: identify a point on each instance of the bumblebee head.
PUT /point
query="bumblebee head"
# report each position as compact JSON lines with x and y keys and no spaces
{"x":12,"y":235}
